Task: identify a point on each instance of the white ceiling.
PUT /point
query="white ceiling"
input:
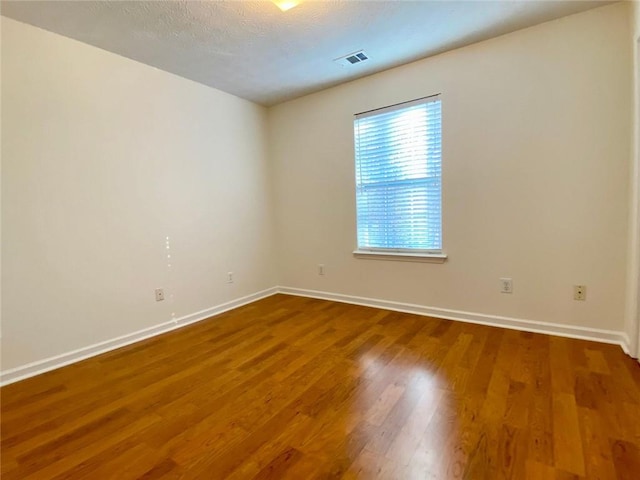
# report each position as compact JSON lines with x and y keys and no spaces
{"x":253,"y":50}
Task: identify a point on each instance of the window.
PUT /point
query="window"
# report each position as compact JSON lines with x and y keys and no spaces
{"x":398,"y":178}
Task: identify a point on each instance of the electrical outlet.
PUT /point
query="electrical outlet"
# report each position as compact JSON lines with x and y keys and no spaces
{"x":229,"y":277}
{"x":320,"y":269}
{"x":580,"y":292}
{"x":159,"y":294}
{"x":506,"y":285}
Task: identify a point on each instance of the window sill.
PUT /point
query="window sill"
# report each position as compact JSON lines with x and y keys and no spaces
{"x":401,"y":256}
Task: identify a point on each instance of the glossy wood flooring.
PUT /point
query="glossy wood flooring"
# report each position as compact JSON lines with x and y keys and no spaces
{"x":298,"y":388}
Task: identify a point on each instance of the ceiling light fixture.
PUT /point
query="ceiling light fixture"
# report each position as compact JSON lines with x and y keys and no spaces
{"x":285,"y":5}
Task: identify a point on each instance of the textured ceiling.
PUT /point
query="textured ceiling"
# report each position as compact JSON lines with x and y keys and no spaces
{"x":255,"y":51}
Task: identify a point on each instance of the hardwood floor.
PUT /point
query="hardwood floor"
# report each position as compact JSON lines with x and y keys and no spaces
{"x":298,"y":388}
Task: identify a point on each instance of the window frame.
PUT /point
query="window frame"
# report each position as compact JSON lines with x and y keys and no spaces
{"x":400,"y":254}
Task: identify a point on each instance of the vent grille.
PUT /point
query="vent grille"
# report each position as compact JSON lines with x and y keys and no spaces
{"x":352,"y":59}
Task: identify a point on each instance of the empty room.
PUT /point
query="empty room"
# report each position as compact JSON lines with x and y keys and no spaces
{"x":303,"y":239}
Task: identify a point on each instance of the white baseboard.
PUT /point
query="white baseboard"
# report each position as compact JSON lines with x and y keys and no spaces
{"x":51,"y":363}
{"x":570,"y":331}
{"x":626,"y":346}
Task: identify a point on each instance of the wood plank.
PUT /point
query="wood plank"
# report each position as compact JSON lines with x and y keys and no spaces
{"x":626,"y":458}
{"x":567,"y":440}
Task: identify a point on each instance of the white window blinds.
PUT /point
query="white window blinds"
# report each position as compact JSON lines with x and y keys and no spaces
{"x":398,"y":177}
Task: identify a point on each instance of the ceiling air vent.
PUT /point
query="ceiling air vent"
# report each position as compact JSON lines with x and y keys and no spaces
{"x":352,"y":59}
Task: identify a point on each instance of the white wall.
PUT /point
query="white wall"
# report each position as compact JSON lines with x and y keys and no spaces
{"x":103,"y":158}
{"x":632,"y":324}
{"x":536,"y":151}
{"x":0,"y":196}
